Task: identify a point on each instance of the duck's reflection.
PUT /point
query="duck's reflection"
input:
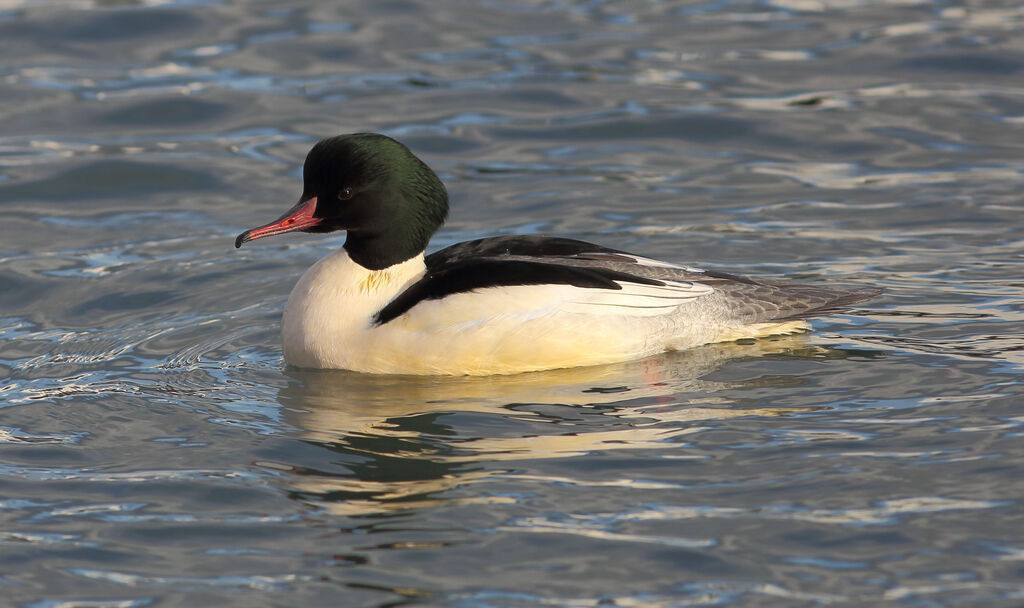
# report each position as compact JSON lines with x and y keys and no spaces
{"x":406,"y":439}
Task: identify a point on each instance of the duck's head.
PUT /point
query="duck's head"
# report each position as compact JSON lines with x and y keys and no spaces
{"x":388,"y":200}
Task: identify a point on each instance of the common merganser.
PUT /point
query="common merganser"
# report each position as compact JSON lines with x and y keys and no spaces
{"x":496,"y":305}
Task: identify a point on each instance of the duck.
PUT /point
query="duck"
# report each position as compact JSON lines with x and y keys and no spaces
{"x":498,"y":305}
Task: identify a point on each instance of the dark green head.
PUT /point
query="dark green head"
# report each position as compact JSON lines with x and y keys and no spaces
{"x":388,"y":200}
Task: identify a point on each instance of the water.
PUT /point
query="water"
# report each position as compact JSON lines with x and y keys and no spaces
{"x":154,"y":451}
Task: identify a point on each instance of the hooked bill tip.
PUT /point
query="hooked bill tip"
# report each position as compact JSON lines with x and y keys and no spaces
{"x":242,"y":238}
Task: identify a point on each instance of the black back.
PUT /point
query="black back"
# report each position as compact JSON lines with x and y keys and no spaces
{"x":498,"y":262}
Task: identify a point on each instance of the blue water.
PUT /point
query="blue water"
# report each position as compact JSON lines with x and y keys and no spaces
{"x":155,"y":451}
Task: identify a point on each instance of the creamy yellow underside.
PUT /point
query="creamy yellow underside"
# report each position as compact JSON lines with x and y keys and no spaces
{"x":504,"y":330}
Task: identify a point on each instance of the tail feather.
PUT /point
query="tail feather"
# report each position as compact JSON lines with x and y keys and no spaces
{"x":763,"y":301}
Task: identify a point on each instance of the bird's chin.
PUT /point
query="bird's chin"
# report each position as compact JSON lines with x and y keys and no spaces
{"x":323,"y":228}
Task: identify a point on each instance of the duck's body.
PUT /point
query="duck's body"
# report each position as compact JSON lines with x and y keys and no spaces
{"x":333,"y":317}
{"x":500,"y":305}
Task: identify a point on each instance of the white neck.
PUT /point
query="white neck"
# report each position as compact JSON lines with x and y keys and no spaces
{"x":334,"y":302}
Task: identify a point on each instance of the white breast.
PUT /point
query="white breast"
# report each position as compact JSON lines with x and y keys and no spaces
{"x":328,"y":314}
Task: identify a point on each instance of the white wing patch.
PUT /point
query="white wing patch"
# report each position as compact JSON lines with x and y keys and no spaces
{"x":642,"y":261}
{"x":634,"y":299}
{"x":511,"y":306}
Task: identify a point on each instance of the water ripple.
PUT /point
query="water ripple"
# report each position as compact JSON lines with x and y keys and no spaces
{"x":156,"y":450}
{"x":261,"y":582}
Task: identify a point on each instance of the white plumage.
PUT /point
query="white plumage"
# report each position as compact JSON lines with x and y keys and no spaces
{"x":327,"y":323}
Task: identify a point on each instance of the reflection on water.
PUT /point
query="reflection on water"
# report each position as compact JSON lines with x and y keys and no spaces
{"x":408,"y":451}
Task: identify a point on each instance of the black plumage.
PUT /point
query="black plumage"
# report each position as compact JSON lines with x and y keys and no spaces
{"x":538,"y":260}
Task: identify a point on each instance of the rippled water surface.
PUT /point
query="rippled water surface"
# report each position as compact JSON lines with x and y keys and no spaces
{"x":155,"y":451}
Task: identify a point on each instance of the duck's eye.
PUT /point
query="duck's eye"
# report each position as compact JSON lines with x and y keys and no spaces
{"x":345,"y":193}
